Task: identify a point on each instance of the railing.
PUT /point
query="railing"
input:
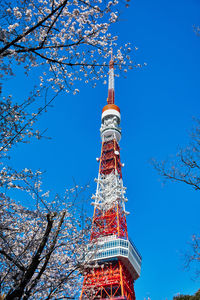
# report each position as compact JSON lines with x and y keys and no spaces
{"x":135,"y":248}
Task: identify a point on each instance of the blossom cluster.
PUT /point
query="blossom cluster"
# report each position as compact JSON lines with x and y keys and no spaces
{"x":68,"y":40}
{"x":44,"y":247}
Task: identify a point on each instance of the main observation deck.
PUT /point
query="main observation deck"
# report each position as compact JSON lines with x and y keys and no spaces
{"x":111,"y":248}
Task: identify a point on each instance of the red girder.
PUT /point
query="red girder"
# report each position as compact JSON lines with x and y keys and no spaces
{"x":110,"y":158}
{"x":110,"y":281}
{"x":111,"y":222}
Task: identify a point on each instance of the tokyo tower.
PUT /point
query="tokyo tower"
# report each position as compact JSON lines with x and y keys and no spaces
{"x":114,"y":261}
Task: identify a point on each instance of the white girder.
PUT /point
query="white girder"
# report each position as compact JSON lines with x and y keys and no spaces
{"x":111,"y":79}
{"x":110,"y":190}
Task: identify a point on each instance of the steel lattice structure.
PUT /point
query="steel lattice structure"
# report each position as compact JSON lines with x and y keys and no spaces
{"x":114,"y":262}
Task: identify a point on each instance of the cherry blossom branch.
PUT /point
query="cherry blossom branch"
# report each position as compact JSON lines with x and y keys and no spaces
{"x":22,"y":268}
{"x":31,"y":119}
{"x":18,"y":291}
{"x":21,"y":36}
{"x":51,"y":249}
{"x":50,"y":27}
{"x":62,"y":281}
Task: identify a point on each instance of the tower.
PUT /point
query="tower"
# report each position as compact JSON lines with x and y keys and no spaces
{"x":114,"y":262}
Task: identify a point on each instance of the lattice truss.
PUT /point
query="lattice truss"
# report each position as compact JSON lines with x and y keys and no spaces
{"x":109,"y":205}
{"x":110,"y":191}
{"x":108,"y":281}
{"x":110,"y":158}
{"x":109,"y":213}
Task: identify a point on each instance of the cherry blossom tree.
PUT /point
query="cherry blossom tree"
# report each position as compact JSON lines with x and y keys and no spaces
{"x":185,"y":168}
{"x":42,"y":250}
{"x":43,"y":246}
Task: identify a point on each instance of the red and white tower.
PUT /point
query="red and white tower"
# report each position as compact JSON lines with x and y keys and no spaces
{"x":114,"y":261}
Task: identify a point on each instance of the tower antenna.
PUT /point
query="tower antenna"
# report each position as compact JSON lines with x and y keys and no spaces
{"x":111,"y":87}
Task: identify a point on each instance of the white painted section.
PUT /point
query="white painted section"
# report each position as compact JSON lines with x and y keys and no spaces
{"x":110,"y":190}
{"x":111,"y":79}
{"x":110,"y":126}
{"x":111,"y":132}
{"x":112,"y":112}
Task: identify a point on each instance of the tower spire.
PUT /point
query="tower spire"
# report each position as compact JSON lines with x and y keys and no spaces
{"x":114,"y":262}
{"x":111,"y":89}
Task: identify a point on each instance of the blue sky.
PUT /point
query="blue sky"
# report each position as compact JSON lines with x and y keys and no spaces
{"x":157,"y":105}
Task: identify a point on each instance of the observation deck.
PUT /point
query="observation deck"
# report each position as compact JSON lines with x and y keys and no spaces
{"x":111,"y":248}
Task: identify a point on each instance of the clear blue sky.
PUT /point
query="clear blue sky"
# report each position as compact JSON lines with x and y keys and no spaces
{"x":157,"y":105}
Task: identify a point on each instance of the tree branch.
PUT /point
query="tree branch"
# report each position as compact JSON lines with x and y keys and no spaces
{"x":43,"y":268}
{"x":21,"y":267}
{"x":21,"y":36}
{"x":19,"y":290}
